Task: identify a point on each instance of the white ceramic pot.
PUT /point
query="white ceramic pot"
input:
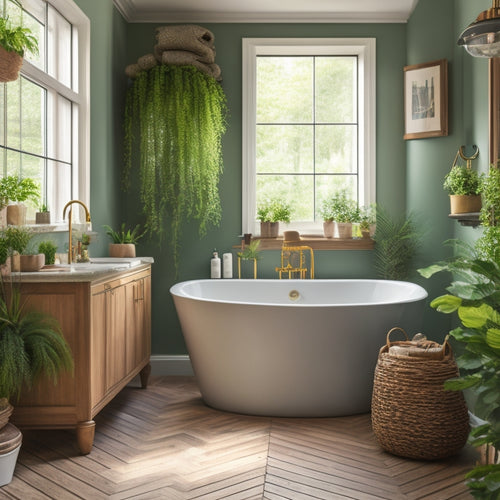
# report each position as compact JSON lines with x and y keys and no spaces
{"x":328,"y":228}
{"x":344,"y":230}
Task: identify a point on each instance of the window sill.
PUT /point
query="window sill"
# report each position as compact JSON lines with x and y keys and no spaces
{"x":319,"y":243}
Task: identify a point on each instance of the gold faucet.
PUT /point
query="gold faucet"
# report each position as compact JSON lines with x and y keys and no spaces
{"x":87,"y":219}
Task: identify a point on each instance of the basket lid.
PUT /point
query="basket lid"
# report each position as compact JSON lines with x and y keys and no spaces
{"x":10,"y":438}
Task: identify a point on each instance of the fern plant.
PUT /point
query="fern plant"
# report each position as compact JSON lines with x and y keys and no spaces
{"x":178,"y":113}
{"x":31,"y":346}
{"x":396,"y":241}
{"x":16,"y":38}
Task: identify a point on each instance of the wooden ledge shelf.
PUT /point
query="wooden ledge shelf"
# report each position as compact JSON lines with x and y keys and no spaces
{"x":318,"y":243}
{"x":467,"y":219}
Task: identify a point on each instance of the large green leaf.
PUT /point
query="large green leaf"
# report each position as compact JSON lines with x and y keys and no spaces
{"x":446,"y":303}
{"x":476,"y":317}
{"x":493,"y":338}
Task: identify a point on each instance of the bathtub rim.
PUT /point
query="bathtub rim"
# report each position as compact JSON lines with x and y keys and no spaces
{"x":177,"y":288}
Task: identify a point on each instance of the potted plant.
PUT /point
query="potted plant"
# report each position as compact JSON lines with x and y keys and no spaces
{"x":43,"y":215}
{"x":32,"y":346}
{"x":16,"y":239}
{"x":464,"y":187}
{"x":342,"y":211}
{"x":474,"y":295}
{"x":124,"y":240}
{"x":250,"y":252}
{"x":18,"y":190}
{"x":49,"y":249}
{"x":367,"y":221}
{"x":14,"y":42}
{"x":270,"y":213}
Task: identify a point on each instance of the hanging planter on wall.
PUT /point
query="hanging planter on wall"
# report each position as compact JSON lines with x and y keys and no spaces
{"x":179,"y":115}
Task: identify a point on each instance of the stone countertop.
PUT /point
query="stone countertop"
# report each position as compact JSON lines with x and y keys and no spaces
{"x":96,"y":269}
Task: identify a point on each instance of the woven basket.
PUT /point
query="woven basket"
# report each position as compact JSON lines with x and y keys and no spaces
{"x":10,"y":65}
{"x":5,"y":412}
{"x":412,"y":415}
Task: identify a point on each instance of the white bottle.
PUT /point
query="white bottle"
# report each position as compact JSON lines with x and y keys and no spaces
{"x":215,"y":266}
{"x":227,"y":265}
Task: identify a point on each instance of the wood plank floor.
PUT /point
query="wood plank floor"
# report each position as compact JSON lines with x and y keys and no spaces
{"x":164,"y":443}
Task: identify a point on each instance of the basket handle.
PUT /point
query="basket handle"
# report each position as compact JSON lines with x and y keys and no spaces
{"x":388,"y":341}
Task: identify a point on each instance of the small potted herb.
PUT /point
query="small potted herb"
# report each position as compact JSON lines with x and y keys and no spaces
{"x":49,"y":249}
{"x":463,"y":184}
{"x":14,"y":42}
{"x":342,"y":211}
{"x":18,"y":190}
{"x":43,"y":215}
{"x":270,"y":213}
{"x":124,"y":240}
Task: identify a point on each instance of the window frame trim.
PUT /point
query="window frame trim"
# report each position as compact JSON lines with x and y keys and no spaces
{"x":365,"y":49}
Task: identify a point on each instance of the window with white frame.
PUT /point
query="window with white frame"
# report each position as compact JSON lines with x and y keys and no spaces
{"x":308,"y":125}
{"x":44,"y":114}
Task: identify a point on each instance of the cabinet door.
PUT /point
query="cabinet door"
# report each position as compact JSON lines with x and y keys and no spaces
{"x":116,"y":325}
{"x":98,"y":348}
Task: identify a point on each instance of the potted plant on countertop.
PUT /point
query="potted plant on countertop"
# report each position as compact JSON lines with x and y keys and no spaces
{"x":14,"y":42}
{"x":18,"y":190}
{"x":463,"y":184}
{"x":49,"y":249}
{"x":124,"y":240}
{"x":270,"y":213}
{"x":32,"y":347}
{"x":22,"y":260}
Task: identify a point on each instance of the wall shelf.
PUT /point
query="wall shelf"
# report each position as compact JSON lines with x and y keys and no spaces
{"x":468,"y":219}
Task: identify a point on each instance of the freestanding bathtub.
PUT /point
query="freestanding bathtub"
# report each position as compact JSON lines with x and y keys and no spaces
{"x":291,"y":348}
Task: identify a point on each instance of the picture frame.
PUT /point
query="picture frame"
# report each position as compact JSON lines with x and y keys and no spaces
{"x":426,"y":100}
{"x":494,"y":109}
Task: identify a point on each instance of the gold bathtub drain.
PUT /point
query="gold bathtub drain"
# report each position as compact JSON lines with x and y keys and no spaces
{"x":293,"y":295}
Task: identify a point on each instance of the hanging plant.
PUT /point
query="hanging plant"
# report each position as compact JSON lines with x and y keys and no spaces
{"x":178,"y":113}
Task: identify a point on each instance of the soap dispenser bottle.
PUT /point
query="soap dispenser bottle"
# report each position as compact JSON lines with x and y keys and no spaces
{"x":215,"y":266}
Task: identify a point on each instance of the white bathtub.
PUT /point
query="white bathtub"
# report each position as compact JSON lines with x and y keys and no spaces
{"x":291,"y":348}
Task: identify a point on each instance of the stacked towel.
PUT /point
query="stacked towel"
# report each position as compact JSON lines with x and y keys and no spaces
{"x":181,"y":45}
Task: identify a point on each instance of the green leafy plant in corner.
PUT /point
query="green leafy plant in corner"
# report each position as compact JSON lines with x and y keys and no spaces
{"x":178,"y":114}
{"x":396,"y":242}
{"x":31,"y":346}
{"x":124,"y":235}
{"x":49,"y":249}
{"x":474,"y":296}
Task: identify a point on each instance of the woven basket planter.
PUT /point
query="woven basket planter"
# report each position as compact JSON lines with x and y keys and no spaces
{"x":412,"y":415}
{"x":10,"y":65}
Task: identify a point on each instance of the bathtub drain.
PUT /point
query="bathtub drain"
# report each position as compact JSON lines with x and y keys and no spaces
{"x":294,"y":295}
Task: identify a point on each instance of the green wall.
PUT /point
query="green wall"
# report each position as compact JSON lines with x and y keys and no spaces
{"x":409,"y":173}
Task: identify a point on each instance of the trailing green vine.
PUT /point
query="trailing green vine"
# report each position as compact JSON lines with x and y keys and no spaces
{"x":179,"y":115}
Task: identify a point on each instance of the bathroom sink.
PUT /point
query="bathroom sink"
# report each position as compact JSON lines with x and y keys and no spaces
{"x":84,"y":267}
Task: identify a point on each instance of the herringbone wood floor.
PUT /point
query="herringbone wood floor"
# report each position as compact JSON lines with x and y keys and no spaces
{"x":164,"y":443}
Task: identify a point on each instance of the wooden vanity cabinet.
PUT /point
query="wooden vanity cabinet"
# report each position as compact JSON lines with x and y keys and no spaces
{"x":107,"y":323}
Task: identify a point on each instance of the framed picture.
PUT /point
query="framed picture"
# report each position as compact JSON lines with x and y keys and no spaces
{"x":426,"y":100}
{"x":494,"y":109}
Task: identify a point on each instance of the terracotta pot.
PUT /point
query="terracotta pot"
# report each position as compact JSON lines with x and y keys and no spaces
{"x":42,"y":218}
{"x":328,"y":228}
{"x":32,"y":263}
{"x":121,"y":250}
{"x":16,"y":214}
{"x":3,"y":217}
{"x":344,"y":230}
{"x":269,"y":229}
{"x":464,"y":204}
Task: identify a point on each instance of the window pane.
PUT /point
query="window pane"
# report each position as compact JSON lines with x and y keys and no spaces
{"x":13,"y":163}
{"x":285,"y":149}
{"x":59,"y":127}
{"x":32,"y":117}
{"x":59,"y":47}
{"x":13,"y":114}
{"x":335,"y":92}
{"x":328,"y":185}
{"x":284,"y":90}
{"x":58,"y":188}
{"x":297,"y":190}
{"x":336,"y":148}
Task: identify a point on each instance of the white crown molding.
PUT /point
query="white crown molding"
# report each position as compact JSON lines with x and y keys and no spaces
{"x":133,"y":15}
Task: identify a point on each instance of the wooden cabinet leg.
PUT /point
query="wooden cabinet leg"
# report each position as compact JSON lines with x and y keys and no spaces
{"x":144,"y":374}
{"x":85,"y":432}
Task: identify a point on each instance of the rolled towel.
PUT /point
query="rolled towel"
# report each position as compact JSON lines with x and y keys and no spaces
{"x":147,"y":62}
{"x":171,"y":57}
{"x":185,"y":37}
{"x":132,"y":70}
{"x":208,"y":58}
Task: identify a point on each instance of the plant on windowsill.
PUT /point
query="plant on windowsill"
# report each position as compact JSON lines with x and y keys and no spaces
{"x":474,"y":294}
{"x":14,"y":42}
{"x":43,"y":215}
{"x":463,"y":184}
{"x":270,"y":213}
{"x":367,"y":221}
{"x":124,"y":240}
{"x":18,"y":190}
{"x":32,"y":347}
{"x":340,"y":211}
